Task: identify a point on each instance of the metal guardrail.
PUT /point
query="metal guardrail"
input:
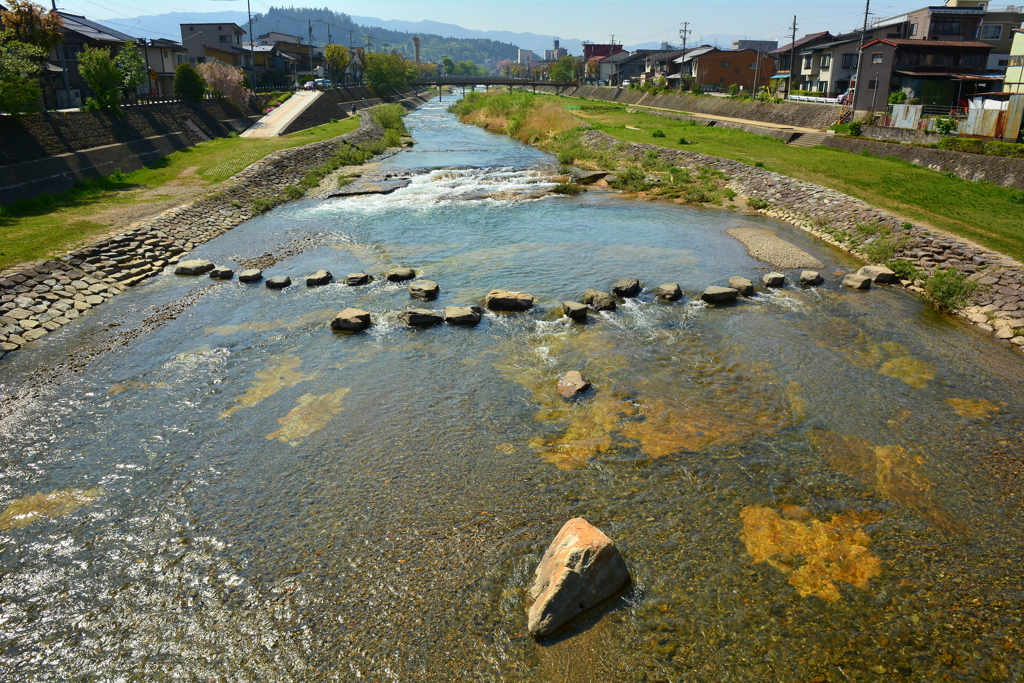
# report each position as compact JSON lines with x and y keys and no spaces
{"x":814,"y":100}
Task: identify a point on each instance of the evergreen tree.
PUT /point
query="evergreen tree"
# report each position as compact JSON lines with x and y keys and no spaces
{"x":188,"y":84}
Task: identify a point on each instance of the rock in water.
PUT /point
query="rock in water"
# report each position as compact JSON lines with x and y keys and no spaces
{"x":462,"y":315}
{"x":279,"y":282}
{"x":588,"y":177}
{"x":193,"y":267}
{"x":252,"y":275}
{"x":400,"y":274}
{"x":878,"y":274}
{"x":598,"y":300}
{"x":572,"y":383}
{"x":501,"y":300}
{"x":773,"y":279}
{"x":581,"y":568}
{"x":627,"y":288}
{"x":320,"y":277}
{"x":221,"y":273}
{"x":854,"y":281}
{"x":356,"y":279}
{"x":742,"y":285}
{"x":669,"y":292}
{"x":719,"y":295}
{"x":421,"y":317}
{"x":424,"y":289}
{"x":575,"y":311}
{"x":351,"y":320}
{"x":811,"y":277}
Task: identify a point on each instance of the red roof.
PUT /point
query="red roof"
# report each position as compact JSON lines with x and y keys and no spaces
{"x":927,"y":43}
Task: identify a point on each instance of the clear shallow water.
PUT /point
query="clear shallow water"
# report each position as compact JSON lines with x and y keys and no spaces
{"x":811,"y":485}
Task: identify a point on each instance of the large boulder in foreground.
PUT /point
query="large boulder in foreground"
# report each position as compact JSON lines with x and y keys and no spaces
{"x":773,"y":279}
{"x":351,"y":320}
{"x":319,"y":278}
{"x":581,"y":569}
{"x":194,"y":267}
{"x":598,"y":300}
{"x":575,"y":311}
{"x":719,"y":295}
{"x":501,"y":300}
{"x":421,"y":317}
{"x":670,"y":292}
{"x":811,"y":278}
{"x":855,"y":281}
{"x":400,"y":274}
{"x":424,"y":289}
{"x":221,"y":273}
{"x":572,"y":383}
{"x":879,"y":274}
{"x":742,"y":285}
{"x":627,"y":288}
{"x":462,"y":315}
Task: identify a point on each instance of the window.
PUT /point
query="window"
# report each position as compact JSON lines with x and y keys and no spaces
{"x":826,"y":62}
{"x":849,"y":61}
{"x":876,"y":57}
{"x":973,"y":60}
{"x":784,"y":63}
{"x":946,"y":26}
{"x":1016,"y":61}
{"x":224,"y":39}
{"x":807,"y":62}
{"x":753,"y":65}
{"x":1003,"y":62}
{"x":913,"y":29}
{"x":991,"y":31}
{"x":725,"y":65}
{"x":181,"y":59}
{"x":71,"y":52}
{"x":736,"y":70}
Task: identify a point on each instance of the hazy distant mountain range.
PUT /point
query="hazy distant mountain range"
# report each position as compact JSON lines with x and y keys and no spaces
{"x":436,"y":37}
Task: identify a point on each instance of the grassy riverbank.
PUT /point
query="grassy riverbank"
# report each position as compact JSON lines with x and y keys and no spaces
{"x":47,"y":226}
{"x":988,"y":214}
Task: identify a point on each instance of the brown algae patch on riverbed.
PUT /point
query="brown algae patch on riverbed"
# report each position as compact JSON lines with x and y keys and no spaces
{"x":310,"y":415}
{"x":118,"y":388}
{"x":973,"y":407}
{"x":814,"y":555}
{"x":60,"y":503}
{"x":271,"y":325}
{"x":888,"y":358}
{"x":283,"y":372}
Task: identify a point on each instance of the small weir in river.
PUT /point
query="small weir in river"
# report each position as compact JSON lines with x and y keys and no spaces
{"x":814,"y":484}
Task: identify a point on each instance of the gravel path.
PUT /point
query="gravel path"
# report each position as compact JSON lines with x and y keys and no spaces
{"x":765,"y":245}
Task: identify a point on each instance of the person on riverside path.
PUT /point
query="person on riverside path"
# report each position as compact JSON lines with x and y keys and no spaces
{"x":353,"y":110}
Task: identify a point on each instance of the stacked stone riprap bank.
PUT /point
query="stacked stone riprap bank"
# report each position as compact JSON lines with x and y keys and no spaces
{"x":996,"y":306}
{"x":41,"y":297}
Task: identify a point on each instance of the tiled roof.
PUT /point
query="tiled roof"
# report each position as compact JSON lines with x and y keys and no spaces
{"x":800,"y":41}
{"x":929,"y":43}
{"x":90,"y":29}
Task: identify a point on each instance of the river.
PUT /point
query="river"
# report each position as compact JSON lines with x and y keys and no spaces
{"x":812,"y":485}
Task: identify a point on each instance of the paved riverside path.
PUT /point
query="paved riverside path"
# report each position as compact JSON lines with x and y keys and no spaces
{"x":271,"y":125}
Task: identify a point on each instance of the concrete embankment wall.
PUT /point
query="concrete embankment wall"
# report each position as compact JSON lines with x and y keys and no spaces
{"x":788,"y":114}
{"x":337,"y":104}
{"x":40,"y":297}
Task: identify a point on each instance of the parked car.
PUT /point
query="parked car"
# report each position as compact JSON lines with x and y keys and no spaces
{"x":323,"y":83}
{"x":625,"y":82}
{"x":310,"y":85}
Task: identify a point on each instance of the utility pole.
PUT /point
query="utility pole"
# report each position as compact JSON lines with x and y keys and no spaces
{"x":64,"y":66}
{"x":311,"y":53}
{"x":792,"y":60}
{"x":855,"y":86}
{"x":330,"y":73}
{"x":350,"y":32}
{"x":252,"y":45}
{"x":683,"y":33}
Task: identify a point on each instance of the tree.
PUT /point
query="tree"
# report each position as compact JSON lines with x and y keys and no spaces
{"x":132,"y":66}
{"x":466,"y":68}
{"x":225,"y":81}
{"x":386,"y":71}
{"x":448,"y":64}
{"x":505,"y":66}
{"x":360,"y":61}
{"x":338,"y":59}
{"x":101,"y":72}
{"x":564,"y":69}
{"x":593,"y":69}
{"x":19,"y":64}
{"x":27,"y":23}
{"x":188,"y":84}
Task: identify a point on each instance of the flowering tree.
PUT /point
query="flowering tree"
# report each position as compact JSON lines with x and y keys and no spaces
{"x":505,"y":66}
{"x":225,"y":81}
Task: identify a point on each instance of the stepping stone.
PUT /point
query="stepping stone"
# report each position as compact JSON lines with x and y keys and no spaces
{"x":811,"y":278}
{"x":502,"y":300}
{"x":356,"y":279}
{"x":669,"y":292}
{"x":221,"y":273}
{"x":424,"y":289}
{"x":193,"y":267}
{"x":351,"y":320}
{"x":719,"y":295}
{"x":572,"y":383}
{"x":773,"y":279}
{"x":575,"y":311}
{"x":855,"y":281}
{"x":627,"y":288}
{"x":462,"y":315}
{"x":252,"y":275}
{"x":742,"y":285}
{"x":400,"y":274}
{"x":320,"y":277}
{"x":598,"y":300}
{"x":878,"y":274}
{"x":279,"y":282}
{"x":421,"y":317}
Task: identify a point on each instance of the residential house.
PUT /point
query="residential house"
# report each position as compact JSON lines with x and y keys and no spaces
{"x":162,"y":58}
{"x":716,"y":70}
{"x":79,"y":33}
{"x":996,"y":29}
{"x":608,"y":67}
{"x":782,"y":57}
{"x":624,"y":66}
{"x":600,"y":50}
{"x":1015,"y":67}
{"x":222,"y":42}
{"x":272,"y":67}
{"x":660,"y":64}
{"x":274,"y":37}
{"x":942,"y":73}
{"x":829,"y":68}
{"x":762,"y":46}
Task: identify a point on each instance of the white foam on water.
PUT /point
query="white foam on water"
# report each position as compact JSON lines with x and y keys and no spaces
{"x":780,"y":297}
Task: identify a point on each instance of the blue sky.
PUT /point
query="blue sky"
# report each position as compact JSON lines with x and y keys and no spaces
{"x":595,"y":20}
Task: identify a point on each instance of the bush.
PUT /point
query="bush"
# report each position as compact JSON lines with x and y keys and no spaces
{"x":904,"y":269}
{"x":898,"y":97}
{"x":882,"y":249}
{"x":100,"y":71}
{"x":758,"y":203}
{"x":630,"y":179}
{"x":975,"y":146}
{"x":949,"y":289}
{"x":855,"y":128}
{"x":658,"y":134}
{"x":683,"y":141}
{"x":568,"y":188}
{"x":392,"y":138}
{"x":390,"y":117}
{"x":759,"y":164}
{"x":1017,"y":197}
{"x":188,"y":84}
{"x":946,"y":126}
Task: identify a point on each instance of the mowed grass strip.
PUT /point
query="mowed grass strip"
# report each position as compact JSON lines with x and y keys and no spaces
{"x":48,"y":226}
{"x":988,"y":214}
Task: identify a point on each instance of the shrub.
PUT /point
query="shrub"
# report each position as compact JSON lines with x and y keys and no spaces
{"x":392,"y":138}
{"x":758,"y":203}
{"x":759,"y":164}
{"x":261,"y":204}
{"x":904,"y":269}
{"x":188,"y":84}
{"x":683,"y":141}
{"x":1017,"y":197}
{"x":882,"y":249}
{"x":568,"y":188}
{"x":855,"y":128}
{"x":390,"y":117}
{"x":292,"y":192}
{"x":898,"y":97}
{"x":949,"y":289}
{"x":946,"y":126}
{"x":631,"y":179}
{"x":658,"y":134}
{"x":100,"y":71}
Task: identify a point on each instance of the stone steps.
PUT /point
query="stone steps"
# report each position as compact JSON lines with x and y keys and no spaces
{"x":808,"y":139}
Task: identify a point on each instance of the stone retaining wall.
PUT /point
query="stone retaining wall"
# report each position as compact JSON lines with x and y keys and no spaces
{"x":915,"y":136}
{"x":778,"y":133}
{"x":1005,"y":171}
{"x":41,"y":297}
{"x":787,"y":113}
{"x":835,"y":217}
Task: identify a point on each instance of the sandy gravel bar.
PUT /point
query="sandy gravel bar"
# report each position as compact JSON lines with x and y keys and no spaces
{"x":765,"y":245}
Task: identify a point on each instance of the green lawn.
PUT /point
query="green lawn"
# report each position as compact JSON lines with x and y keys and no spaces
{"x":989,"y":214}
{"x":51,"y":225}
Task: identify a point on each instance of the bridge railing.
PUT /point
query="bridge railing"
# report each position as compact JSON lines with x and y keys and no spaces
{"x":486,"y":80}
